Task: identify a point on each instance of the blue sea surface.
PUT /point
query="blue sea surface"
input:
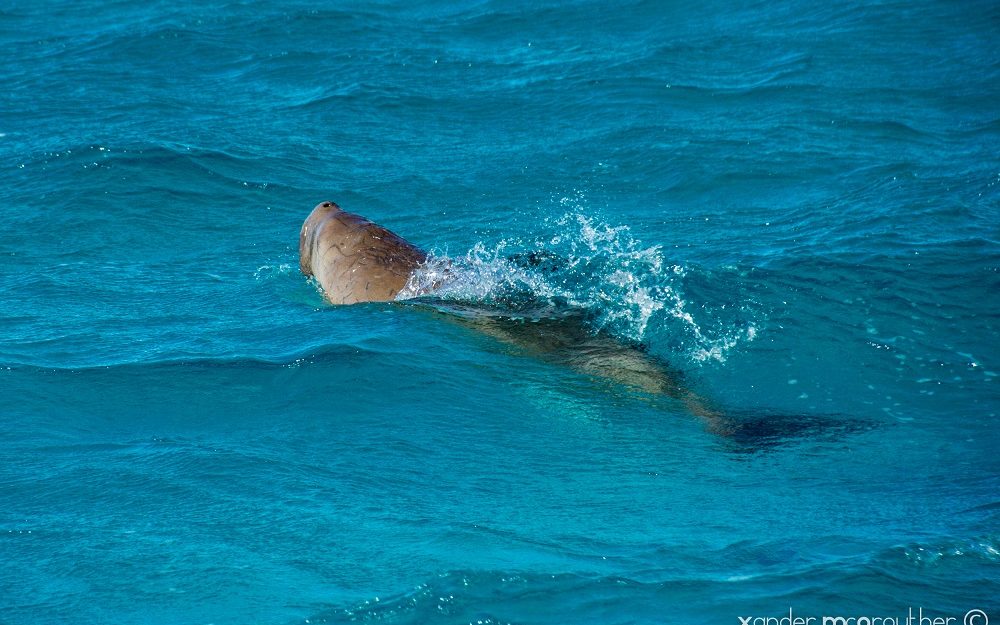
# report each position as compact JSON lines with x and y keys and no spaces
{"x":793,"y":206}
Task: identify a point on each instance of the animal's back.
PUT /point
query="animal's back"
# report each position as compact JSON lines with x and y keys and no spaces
{"x":353,"y":259}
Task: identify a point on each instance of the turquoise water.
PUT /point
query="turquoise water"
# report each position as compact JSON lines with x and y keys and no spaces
{"x":794,"y":206}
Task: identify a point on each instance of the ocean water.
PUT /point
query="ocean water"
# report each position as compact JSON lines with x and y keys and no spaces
{"x":794,"y":207}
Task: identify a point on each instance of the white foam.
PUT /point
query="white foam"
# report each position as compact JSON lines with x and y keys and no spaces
{"x":625,"y":285}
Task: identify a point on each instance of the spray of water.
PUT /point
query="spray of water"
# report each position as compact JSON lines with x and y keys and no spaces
{"x":626,"y":288}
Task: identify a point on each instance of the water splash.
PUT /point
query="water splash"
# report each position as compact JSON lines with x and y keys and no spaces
{"x":626,"y":288}
{"x":273,"y":272}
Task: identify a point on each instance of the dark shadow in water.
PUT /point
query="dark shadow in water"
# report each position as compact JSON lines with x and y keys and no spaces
{"x":751,"y":432}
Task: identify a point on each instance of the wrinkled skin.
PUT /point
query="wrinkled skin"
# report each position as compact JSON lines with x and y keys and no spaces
{"x":353,"y":259}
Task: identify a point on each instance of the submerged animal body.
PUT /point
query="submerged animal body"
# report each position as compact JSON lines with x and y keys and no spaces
{"x":353,"y":259}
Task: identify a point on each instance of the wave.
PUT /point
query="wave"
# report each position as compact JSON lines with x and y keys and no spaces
{"x":192,"y":363}
{"x":181,"y":170}
{"x":856,"y":582}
